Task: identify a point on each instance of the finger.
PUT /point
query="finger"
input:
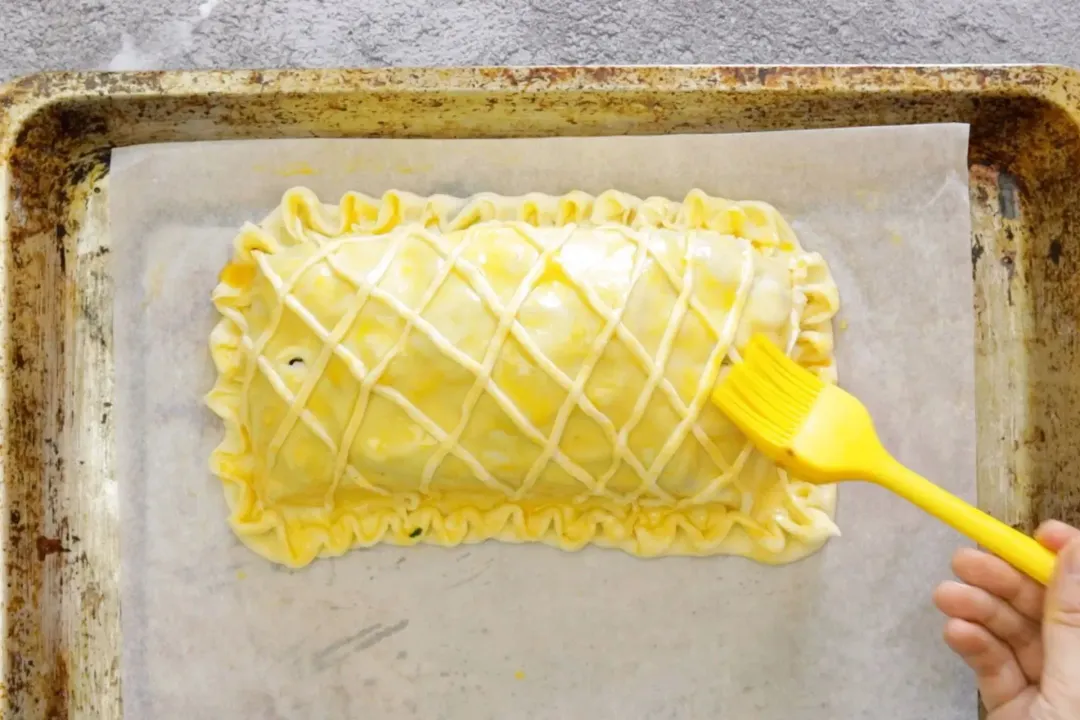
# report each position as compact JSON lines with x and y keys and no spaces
{"x":998,"y":577}
{"x":996,"y":670}
{"x":1054,"y":534}
{"x":1061,"y":634}
{"x":1002,"y":620}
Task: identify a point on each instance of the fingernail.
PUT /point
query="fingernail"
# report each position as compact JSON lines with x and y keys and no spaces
{"x":1071,"y":560}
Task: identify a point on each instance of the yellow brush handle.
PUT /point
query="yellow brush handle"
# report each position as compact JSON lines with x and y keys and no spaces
{"x":1019,"y":550}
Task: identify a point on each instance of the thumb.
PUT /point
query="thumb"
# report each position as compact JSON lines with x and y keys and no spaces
{"x":1060,"y":683}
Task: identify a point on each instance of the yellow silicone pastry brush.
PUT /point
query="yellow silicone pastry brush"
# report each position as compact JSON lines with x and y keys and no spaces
{"x":823,"y":435}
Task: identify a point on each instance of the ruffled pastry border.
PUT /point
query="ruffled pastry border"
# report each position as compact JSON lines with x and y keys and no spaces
{"x":297,"y":536}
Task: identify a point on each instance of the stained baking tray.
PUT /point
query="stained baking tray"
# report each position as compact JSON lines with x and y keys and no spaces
{"x":58,"y":505}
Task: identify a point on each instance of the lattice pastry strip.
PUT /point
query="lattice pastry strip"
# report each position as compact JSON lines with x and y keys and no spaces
{"x":533,"y":368}
{"x":413,"y":320}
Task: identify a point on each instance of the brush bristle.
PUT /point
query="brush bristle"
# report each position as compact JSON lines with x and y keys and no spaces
{"x":768,"y":396}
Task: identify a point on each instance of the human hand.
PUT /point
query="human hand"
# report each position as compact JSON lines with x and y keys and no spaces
{"x":1022,"y":641}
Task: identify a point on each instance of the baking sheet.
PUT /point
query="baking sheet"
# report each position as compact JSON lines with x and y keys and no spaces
{"x":526,"y":631}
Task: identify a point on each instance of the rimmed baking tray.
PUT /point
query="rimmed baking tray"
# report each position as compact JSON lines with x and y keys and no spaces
{"x":58,"y":505}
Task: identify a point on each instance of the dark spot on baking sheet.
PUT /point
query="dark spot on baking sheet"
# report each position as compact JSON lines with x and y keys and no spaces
{"x":1009,"y":264}
{"x":1008,"y":195}
{"x":1055,"y":251}
{"x":47,"y":546}
{"x":977,"y":252}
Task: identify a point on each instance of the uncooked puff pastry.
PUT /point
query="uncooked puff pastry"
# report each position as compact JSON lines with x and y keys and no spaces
{"x":414,"y":369}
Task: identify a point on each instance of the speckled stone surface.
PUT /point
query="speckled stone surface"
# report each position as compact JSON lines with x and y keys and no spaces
{"x":141,"y":34}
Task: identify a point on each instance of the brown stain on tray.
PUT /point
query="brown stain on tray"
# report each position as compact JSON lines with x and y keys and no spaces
{"x":56,"y":698}
{"x":47,"y":546}
{"x":61,"y":604}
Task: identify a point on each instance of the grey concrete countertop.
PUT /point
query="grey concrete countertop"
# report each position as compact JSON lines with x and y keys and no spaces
{"x":153,"y":34}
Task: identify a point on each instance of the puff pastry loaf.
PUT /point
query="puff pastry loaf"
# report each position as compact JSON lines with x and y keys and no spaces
{"x":432,"y":369}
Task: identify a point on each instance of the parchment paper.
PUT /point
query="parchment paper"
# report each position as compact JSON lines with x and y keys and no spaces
{"x":509,"y":631}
